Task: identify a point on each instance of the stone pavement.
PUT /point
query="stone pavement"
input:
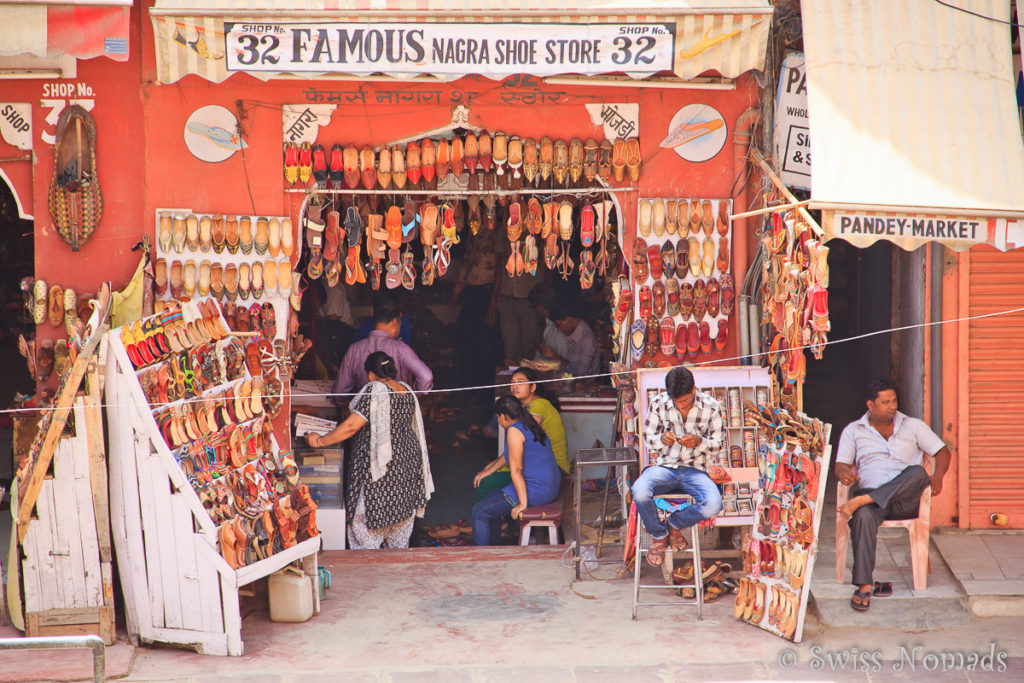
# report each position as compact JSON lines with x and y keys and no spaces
{"x":989,"y":565}
{"x":508,"y":614}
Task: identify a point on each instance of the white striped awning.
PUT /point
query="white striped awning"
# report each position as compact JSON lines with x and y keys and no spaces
{"x":914,"y":126}
{"x":449,"y":39}
{"x":82,"y":29}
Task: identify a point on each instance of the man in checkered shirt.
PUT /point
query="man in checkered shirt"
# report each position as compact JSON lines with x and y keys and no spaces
{"x":684,"y":435}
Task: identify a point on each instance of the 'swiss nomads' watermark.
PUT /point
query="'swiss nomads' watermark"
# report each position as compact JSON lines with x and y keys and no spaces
{"x":911,"y":659}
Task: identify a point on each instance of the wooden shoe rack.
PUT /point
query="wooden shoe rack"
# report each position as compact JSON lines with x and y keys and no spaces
{"x":178,"y":589}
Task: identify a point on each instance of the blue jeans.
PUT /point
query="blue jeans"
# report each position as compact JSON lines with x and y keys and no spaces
{"x":487,"y":516}
{"x":657,"y":480}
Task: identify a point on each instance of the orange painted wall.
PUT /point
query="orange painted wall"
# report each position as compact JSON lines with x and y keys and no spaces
{"x":117,"y":110}
{"x":143,"y":163}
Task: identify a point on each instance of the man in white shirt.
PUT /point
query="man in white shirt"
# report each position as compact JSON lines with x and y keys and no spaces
{"x":555,"y":344}
{"x":582,"y":358}
{"x":881,"y":454}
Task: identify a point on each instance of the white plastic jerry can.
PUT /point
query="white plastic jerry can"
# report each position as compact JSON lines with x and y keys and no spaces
{"x":291,"y":595}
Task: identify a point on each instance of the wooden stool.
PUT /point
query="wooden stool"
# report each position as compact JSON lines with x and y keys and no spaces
{"x":549,"y":515}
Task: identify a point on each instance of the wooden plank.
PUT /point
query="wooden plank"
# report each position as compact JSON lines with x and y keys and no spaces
{"x":82,"y":491}
{"x":232,"y":615}
{"x":108,"y":626}
{"x":97,"y":461}
{"x":309,"y":567}
{"x":31,"y":569}
{"x":209,"y":586}
{"x":204,"y":643}
{"x":80,"y":615}
{"x":65,"y":525}
{"x":755,"y":154}
{"x":135,"y":555}
{"x":31,"y":624}
{"x":60,"y":416}
{"x":159,"y":488}
{"x":150,"y":533}
{"x":119,"y":440}
{"x":124,"y":504}
{"x":188,"y":569}
{"x":182,"y":485}
{"x":770,"y":209}
{"x":55,"y":565}
{"x":65,"y":630}
{"x":72,"y":622}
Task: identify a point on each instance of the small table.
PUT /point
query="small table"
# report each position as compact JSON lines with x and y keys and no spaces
{"x":596,"y":457}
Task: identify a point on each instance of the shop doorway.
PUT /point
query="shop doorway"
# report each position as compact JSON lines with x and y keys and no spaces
{"x":453,"y":334}
{"x":860,"y":302}
{"x":17,"y":253}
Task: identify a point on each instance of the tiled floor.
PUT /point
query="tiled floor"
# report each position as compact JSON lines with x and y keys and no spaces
{"x":985,"y":563}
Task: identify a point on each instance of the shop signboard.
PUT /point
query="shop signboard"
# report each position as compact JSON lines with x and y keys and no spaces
{"x":449,"y":48}
{"x":910,"y":231}
{"x":618,"y":119}
{"x":302,"y":122}
{"x":16,"y":124}
{"x":462,"y":41}
{"x":792,"y":125}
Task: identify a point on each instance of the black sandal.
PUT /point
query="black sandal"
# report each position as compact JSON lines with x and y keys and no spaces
{"x":865,"y":597}
{"x":882,"y":589}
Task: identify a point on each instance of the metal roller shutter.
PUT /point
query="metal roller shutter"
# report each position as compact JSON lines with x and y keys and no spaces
{"x":995,"y":388}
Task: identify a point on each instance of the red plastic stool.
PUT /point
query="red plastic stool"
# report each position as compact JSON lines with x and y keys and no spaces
{"x":549,"y":515}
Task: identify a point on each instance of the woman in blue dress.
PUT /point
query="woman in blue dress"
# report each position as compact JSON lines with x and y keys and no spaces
{"x":535,"y":474}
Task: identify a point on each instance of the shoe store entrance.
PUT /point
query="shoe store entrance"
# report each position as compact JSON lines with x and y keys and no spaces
{"x":497,"y":252}
{"x":480,"y":180}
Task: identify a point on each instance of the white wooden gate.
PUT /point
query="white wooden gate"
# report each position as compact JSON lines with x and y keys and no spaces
{"x":177,"y":587}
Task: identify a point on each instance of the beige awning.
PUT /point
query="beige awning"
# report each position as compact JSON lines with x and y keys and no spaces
{"x":80,"y":28}
{"x":449,"y":38}
{"x":915,"y":133}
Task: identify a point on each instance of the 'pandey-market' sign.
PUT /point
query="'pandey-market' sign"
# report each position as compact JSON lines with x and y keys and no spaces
{"x":910,"y":231}
{"x":539,"y":49}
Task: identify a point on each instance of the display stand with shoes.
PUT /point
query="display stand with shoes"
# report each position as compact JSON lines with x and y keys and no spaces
{"x":202,"y":499}
{"x":779,"y":555}
{"x":681,"y":276}
{"x":738,"y":478}
{"x":794,"y":298}
{"x":241,"y":260}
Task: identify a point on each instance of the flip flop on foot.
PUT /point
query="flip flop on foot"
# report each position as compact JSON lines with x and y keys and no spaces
{"x":861,"y":600}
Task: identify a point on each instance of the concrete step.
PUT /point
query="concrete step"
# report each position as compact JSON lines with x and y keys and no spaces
{"x":942,"y":603}
{"x":908,"y":613}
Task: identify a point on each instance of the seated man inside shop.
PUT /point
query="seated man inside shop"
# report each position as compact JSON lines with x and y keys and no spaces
{"x":384,"y":337}
{"x":684,"y":435}
{"x":582,"y":357}
{"x":881,"y":456}
{"x":542,"y":297}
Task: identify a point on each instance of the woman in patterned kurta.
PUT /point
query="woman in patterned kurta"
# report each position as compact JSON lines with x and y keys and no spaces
{"x":389,"y":481}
